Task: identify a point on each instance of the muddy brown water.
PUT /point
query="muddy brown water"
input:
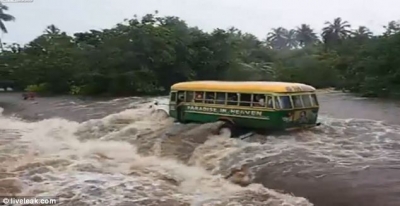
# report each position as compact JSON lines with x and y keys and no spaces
{"x":351,"y":160}
{"x":376,"y":184}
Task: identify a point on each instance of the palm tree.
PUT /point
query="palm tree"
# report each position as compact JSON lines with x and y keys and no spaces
{"x":277,"y":38}
{"x":291,"y":39}
{"x":281,"y":38}
{"x":335,"y":31}
{"x":392,"y":28}
{"x":52,"y":29}
{"x":3,"y":18}
{"x":362,"y":32}
{"x":305,"y":35}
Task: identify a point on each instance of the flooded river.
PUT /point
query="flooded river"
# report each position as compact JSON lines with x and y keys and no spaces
{"x":121,"y":152}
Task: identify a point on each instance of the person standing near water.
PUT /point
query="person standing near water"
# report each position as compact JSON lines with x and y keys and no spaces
{"x":29,"y":95}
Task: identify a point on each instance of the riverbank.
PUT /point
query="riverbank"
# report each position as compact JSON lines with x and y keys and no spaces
{"x":73,"y":108}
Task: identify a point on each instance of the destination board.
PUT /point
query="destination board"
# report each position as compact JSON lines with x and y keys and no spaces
{"x":226,"y":111}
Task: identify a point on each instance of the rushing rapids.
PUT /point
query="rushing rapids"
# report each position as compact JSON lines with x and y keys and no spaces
{"x":125,"y":158}
{"x":140,"y":157}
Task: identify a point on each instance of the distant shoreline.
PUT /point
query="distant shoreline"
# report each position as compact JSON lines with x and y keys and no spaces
{"x":67,"y":107}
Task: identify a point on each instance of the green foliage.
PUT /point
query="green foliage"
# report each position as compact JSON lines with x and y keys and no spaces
{"x":147,"y":55}
{"x":39,"y":88}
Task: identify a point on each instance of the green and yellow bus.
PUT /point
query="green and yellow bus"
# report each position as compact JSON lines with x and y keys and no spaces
{"x":248,"y":105}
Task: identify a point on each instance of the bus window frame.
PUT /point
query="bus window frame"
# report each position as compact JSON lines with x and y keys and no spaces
{"x":186,"y":96}
{"x":227,"y":99}
{"x":278,"y":96}
{"x":195,"y":100}
{"x":309,"y":98}
{"x":266,"y":101}
{"x":208,"y":101}
{"x":314,"y":98}
{"x":245,"y":102}
{"x":253,"y":103}
{"x":301,"y":101}
{"x":216,"y":98}
{"x":275,"y":99}
{"x":176,"y":96}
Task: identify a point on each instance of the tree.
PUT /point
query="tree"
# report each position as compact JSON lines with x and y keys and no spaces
{"x":52,"y":29}
{"x":362,"y":31}
{"x":277,"y":38}
{"x":336,"y":31}
{"x":291,"y":39}
{"x":147,"y":55}
{"x":392,"y":27}
{"x":305,"y":35}
{"x":4,"y":17}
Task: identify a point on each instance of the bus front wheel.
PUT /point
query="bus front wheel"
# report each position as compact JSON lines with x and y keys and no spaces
{"x":227,"y":129}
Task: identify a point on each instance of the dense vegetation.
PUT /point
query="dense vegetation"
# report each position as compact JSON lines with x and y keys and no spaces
{"x":146,"y":55}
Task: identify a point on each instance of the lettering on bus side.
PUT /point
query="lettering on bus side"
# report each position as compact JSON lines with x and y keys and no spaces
{"x":238,"y":112}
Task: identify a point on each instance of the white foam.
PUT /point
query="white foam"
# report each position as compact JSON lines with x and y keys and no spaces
{"x":94,"y":161}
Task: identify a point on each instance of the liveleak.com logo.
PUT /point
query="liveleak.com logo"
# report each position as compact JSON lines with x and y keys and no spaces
{"x":15,"y":1}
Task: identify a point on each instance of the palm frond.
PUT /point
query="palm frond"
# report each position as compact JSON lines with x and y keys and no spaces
{"x":6,"y":17}
{"x":3,"y":27}
{"x":3,"y":7}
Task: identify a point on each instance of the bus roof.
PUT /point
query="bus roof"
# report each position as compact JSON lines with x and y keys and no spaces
{"x":248,"y":86}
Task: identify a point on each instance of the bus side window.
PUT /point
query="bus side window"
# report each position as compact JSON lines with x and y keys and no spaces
{"x":285,"y":102}
{"x":189,"y":96}
{"x":297,"y":101}
{"x":306,"y":100}
{"x":245,"y":100}
{"x":173,"y":97}
{"x":314,"y":100}
{"x":181,"y":96}
{"x":199,"y":97}
{"x":258,"y":100}
{"x":277,"y":103}
{"x":210,"y":97}
{"x":269,"y":102}
{"x":232,"y":99}
{"x":221,"y":97}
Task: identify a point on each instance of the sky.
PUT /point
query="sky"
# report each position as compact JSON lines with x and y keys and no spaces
{"x":254,"y":16}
